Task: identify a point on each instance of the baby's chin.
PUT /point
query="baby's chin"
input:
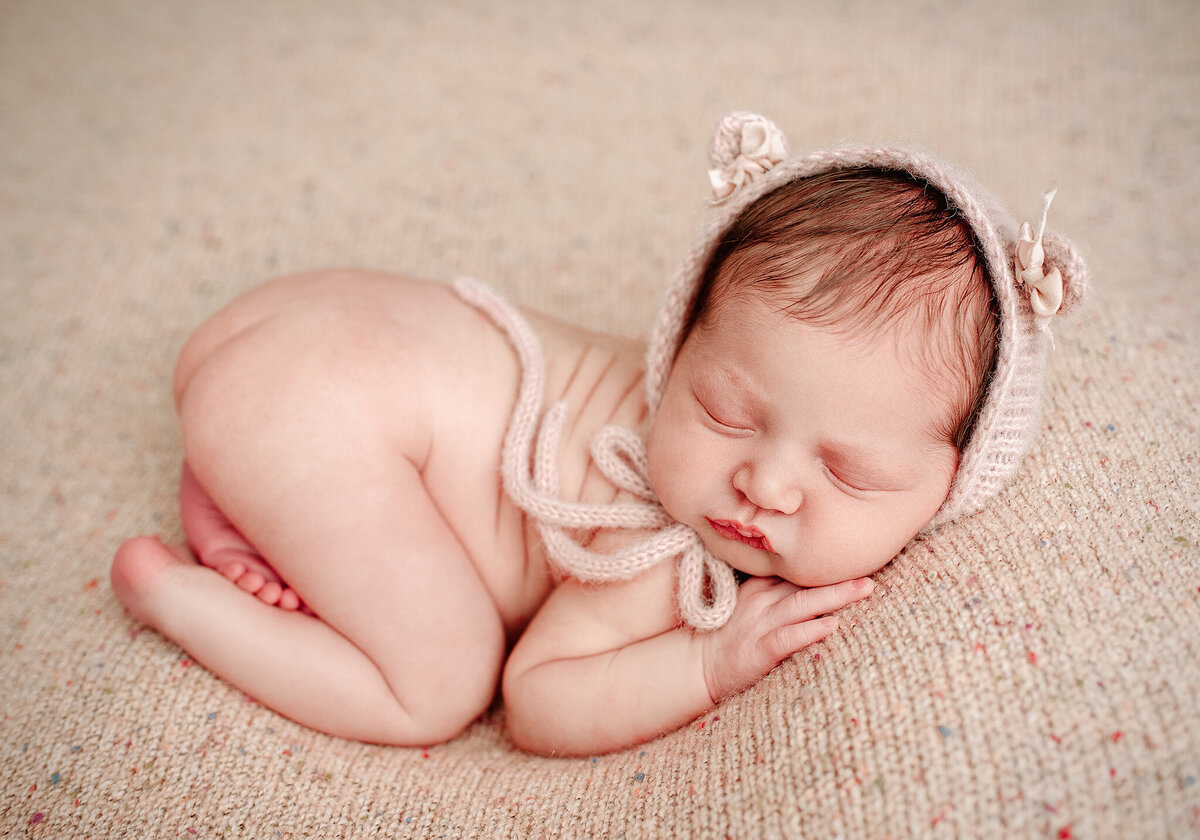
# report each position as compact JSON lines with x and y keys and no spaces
{"x":746,"y":561}
{"x":754,"y":563}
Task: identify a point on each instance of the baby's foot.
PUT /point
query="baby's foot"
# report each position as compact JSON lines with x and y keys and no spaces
{"x":220,"y":545}
{"x":137,"y":571}
{"x":142,"y":561}
{"x":250,"y":572}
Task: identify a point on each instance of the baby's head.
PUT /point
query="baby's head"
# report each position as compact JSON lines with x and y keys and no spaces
{"x":865,"y":253}
{"x":848,"y":357}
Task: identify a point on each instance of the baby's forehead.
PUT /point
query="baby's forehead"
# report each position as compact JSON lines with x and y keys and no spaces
{"x":926,"y":313}
{"x":753,"y":322}
{"x":762,"y":309}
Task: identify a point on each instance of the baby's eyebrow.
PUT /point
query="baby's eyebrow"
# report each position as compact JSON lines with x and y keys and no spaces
{"x":733,"y":383}
{"x":733,"y":377}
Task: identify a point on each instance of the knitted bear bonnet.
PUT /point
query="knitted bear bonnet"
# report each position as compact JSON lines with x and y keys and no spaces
{"x":1033,"y":277}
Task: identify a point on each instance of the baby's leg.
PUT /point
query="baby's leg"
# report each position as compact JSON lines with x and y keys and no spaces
{"x":408,"y":646}
{"x":219,"y":545}
{"x":293,"y":662}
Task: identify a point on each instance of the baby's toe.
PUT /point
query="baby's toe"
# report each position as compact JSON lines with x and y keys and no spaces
{"x":269,"y":593}
{"x":232,"y":571}
{"x":252,"y":582}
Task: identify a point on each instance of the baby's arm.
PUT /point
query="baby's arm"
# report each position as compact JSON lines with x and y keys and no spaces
{"x":606,"y":667}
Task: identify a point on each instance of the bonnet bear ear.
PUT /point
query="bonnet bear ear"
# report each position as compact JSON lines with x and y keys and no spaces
{"x":1049,"y":270}
{"x":1062,"y":254}
{"x":744,"y":146}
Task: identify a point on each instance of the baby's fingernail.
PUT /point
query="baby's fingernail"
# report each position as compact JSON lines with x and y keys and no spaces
{"x":829,"y":622}
{"x":865,"y":584}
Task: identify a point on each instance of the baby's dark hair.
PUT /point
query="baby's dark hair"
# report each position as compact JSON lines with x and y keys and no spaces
{"x":864,"y":250}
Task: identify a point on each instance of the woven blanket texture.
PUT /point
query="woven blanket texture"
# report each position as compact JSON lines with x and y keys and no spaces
{"x":1032,"y":671}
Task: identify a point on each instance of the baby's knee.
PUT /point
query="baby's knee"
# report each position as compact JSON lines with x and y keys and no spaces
{"x":464,"y":704}
{"x":444,"y":704}
{"x":423,"y":718}
{"x":443,"y":721}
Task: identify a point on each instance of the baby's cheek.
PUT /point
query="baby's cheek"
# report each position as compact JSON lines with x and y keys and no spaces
{"x":667,"y":471}
{"x":658,"y":470}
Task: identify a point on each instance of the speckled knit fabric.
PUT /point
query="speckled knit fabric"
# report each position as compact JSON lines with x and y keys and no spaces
{"x":1028,"y":672}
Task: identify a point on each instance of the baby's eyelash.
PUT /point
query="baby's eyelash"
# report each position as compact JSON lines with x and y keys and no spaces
{"x":714,"y":417}
{"x":842,"y":481}
{"x":724,"y":423}
{"x":721,"y":422}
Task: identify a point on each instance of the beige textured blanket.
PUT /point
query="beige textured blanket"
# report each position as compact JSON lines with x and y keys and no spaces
{"x":1031,"y":672}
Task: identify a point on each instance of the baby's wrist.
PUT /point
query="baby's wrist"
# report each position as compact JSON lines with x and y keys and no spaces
{"x":709,"y":668}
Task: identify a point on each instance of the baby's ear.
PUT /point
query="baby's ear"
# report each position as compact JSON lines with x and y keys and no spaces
{"x":1062,"y":254}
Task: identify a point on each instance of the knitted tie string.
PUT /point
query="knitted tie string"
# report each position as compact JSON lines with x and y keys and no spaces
{"x":706,"y":589}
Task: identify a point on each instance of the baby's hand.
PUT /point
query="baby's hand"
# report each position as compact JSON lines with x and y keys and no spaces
{"x":773,"y":619}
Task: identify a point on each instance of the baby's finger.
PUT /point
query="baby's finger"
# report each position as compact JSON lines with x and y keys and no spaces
{"x":771,"y":588}
{"x":786,"y":640}
{"x":809,"y":603}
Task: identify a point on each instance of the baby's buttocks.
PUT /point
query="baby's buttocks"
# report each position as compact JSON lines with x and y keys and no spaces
{"x":302,"y":388}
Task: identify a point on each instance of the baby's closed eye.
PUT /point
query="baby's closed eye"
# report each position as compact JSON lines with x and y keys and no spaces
{"x":861,"y":473}
{"x":721,"y":420}
{"x":724,"y":413}
{"x":852,"y":481}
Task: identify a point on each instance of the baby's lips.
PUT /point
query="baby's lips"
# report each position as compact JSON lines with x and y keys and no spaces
{"x":745,"y":534}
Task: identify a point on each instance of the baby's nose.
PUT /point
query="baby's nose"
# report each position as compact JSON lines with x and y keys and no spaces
{"x":769,"y":486}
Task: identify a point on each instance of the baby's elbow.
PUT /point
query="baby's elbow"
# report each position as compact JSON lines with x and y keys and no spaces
{"x":526,"y":739}
{"x":541,"y":722}
{"x":537,"y":736}
{"x":521,"y":715}
{"x":532,"y":716}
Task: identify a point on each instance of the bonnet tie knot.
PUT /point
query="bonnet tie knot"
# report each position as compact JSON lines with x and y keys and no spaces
{"x":706,"y":589}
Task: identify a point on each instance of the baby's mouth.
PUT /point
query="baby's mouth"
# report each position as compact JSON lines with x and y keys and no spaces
{"x":745,"y":534}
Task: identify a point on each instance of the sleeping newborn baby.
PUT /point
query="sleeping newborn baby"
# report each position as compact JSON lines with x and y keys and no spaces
{"x":399,"y":496}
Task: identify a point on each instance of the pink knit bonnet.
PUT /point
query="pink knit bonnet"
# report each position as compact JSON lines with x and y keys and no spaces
{"x":1035,"y":275}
